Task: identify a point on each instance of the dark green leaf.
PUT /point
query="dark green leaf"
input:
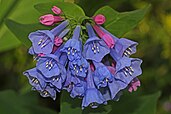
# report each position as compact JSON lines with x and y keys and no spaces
{"x":130,"y":104}
{"x":120,"y":23}
{"x":12,"y":103}
{"x":69,"y":9}
{"x":22,"y":31}
{"x":91,"y":6}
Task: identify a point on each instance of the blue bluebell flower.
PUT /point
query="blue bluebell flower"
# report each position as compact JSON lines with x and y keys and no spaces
{"x":56,"y":43}
{"x":75,"y":85}
{"x":95,"y":48}
{"x":38,"y":83}
{"x":101,"y":75}
{"x":123,"y":46}
{"x":79,"y":67}
{"x":129,"y":72}
{"x":52,"y":67}
{"x":73,"y":47}
{"x":92,"y":97}
{"x":107,"y":83}
{"x":43,"y":40}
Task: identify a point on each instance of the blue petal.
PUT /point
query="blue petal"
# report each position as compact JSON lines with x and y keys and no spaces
{"x":48,"y":92}
{"x":125,"y":47}
{"x":50,"y":71}
{"x":97,"y":54}
{"x":45,"y":35}
{"x":135,"y":65}
{"x":115,"y":86}
{"x":75,"y":45}
{"x":35,"y":79}
{"x":78,"y":90}
{"x":57,"y":30}
{"x":92,"y":98}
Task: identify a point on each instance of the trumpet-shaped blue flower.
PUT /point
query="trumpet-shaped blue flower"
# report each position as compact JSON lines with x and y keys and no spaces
{"x":104,"y":77}
{"x":43,"y":40}
{"x":128,"y":73}
{"x":94,"y":48}
{"x":38,"y":83}
{"x":52,"y":67}
{"x":73,"y":46}
{"x":101,"y":75}
{"x":123,"y":46}
{"x":92,"y":97}
{"x":75,"y":85}
{"x":79,"y":67}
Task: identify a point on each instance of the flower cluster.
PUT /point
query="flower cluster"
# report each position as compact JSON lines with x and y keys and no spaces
{"x":96,"y":70}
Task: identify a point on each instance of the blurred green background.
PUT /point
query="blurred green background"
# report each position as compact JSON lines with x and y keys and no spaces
{"x":153,"y":34}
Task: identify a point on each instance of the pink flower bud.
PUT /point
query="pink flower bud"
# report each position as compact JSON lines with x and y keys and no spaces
{"x":99,"y":19}
{"x":134,"y":85}
{"x":49,"y":19}
{"x":58,"y":41}
{"x":108,"y":40}
{"x":106,"y":37}
{"x":56,"y":10}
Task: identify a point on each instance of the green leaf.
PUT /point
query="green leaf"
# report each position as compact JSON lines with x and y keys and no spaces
{"x":7,"y":39}
{"x":91,"y":6}
{"x":12,"y":103}
{"x":120,"y":23}
{"x":16,"y":10}
{"x":69,"y":9}
{"x":128,"y":104}
{"x":21,"y":31}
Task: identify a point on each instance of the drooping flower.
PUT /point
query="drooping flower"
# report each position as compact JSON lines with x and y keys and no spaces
{"x":56,"y":10}
{"x":101,"y":75}
{"x":123,"y":46}
{"x":38,"y":83}
{"x":73,"y":46}
{"x":79,"y":67}
{"x":129,"y":72}
{"x":43,"y":40}
{"x":105,"y":36}
{"x":75,"y":85}
{"x":94,"y":49}
{"x":53,"y":69}
{"x":50,"y":19}
{"x":92,"y":97}
{"x":104,"y":78}
{"x":99,"y":19}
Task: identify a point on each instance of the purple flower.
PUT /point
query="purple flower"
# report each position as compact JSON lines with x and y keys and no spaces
{"x":75,"y":85}
{"x":123,"y":47}
{"x":73,"y":46}
{"x":50,"y":65}
{"x":92,"y":97}
{"x":43,"y":40}
{"x":79,"y":67}
{"x":129,"y":72}
{"x":48,"y":91}
{"x":101,"y":75}
{"x":94,"y":49}
{"x":104,"y":78}
{"x":38,"y":83}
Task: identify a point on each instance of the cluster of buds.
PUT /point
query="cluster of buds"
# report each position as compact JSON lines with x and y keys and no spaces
{"x":96,"y":71}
